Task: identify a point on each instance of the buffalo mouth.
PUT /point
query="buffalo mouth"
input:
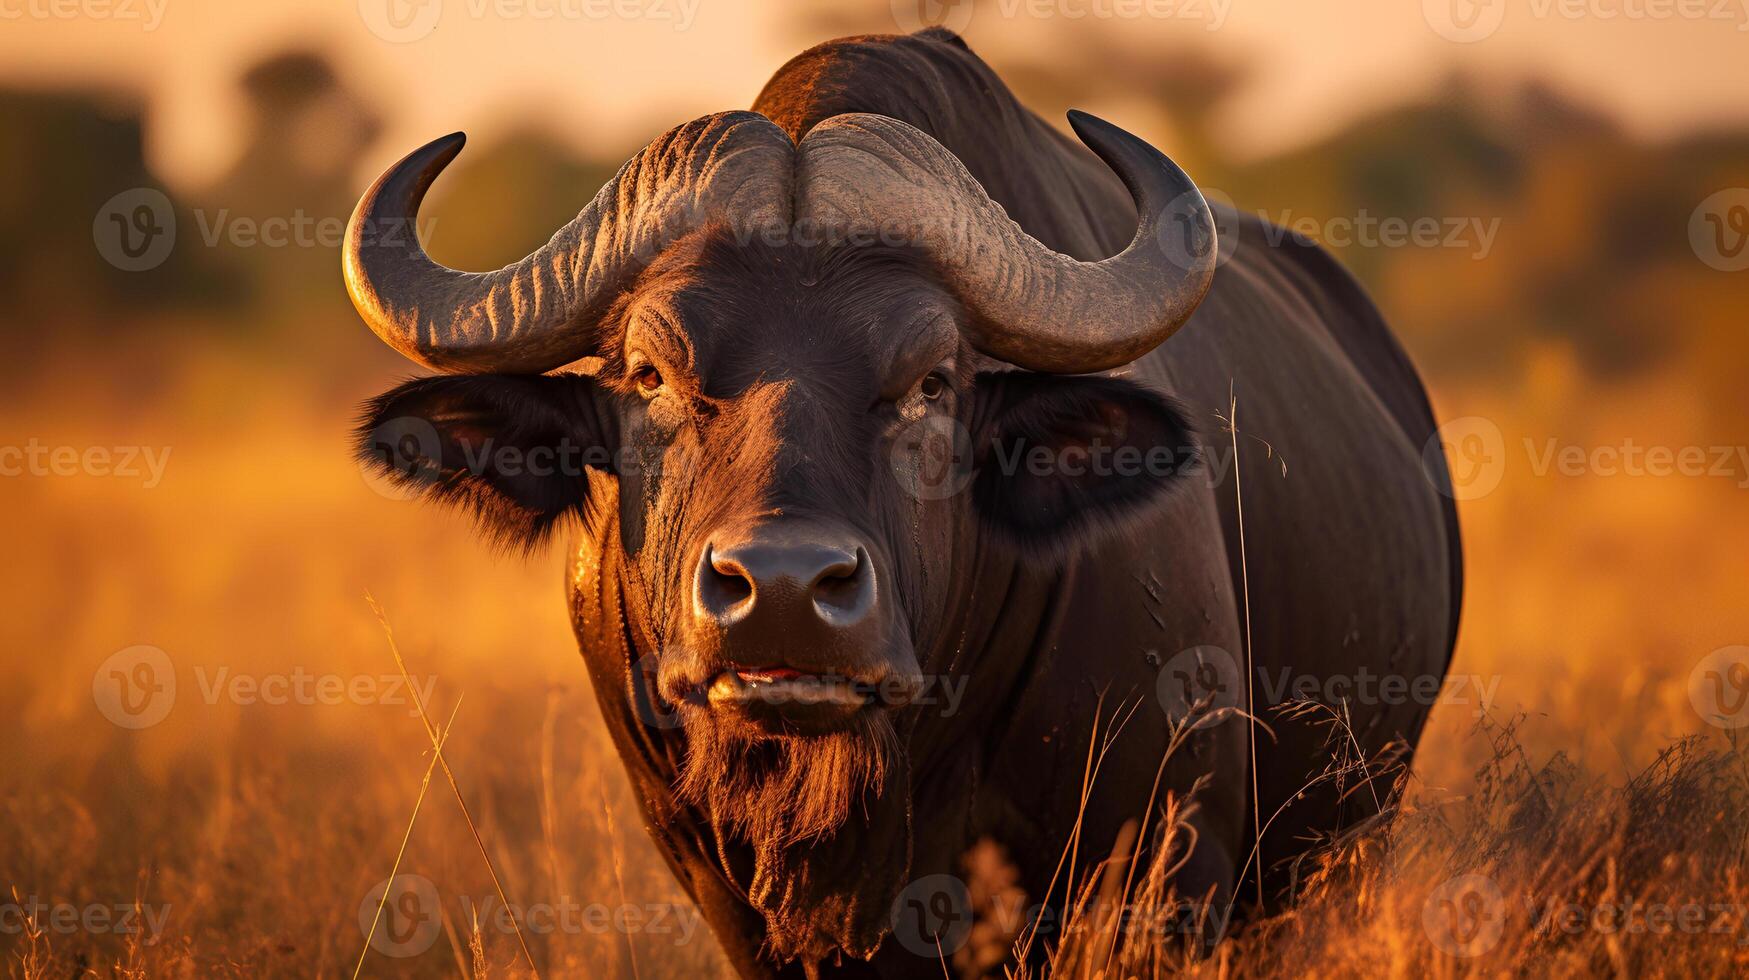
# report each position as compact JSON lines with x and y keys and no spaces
{"x":786,"y":700}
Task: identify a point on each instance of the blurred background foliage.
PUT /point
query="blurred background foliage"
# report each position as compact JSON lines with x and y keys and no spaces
{"x":1593,"y":256}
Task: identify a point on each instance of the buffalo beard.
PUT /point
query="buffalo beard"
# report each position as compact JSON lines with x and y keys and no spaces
{"x":826,"y":819}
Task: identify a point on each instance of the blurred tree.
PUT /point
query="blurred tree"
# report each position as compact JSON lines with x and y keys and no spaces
{"x":66,"y":157}
{"x":278,"y":213}
{"x":305,"y":132}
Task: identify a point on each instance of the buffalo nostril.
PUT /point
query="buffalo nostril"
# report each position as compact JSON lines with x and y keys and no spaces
{"x":776,"y":581}
{"x":847,"y":593}
{"x":724,"y":588}
{"x":837,"y":569}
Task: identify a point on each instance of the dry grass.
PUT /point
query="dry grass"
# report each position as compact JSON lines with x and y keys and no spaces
{"x":261,"y":857}
{"x":256,"y":832}
{"x":1541,"y":871}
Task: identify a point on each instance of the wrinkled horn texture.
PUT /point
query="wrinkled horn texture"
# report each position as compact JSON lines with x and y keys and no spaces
{"x":852,"y":175}
{"x":540,"y":313}
{"x":1033,"y":307}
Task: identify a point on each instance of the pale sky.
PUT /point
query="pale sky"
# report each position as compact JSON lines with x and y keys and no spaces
{"x":600,"y":79}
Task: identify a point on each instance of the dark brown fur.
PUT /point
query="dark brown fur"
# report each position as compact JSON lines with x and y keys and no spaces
{"x":788,"y":370}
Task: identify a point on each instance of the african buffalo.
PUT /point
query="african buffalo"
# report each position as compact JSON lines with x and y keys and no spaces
{"x":858,"y":401}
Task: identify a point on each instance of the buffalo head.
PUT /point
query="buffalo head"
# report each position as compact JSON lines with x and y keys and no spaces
{"x":762,"y":372}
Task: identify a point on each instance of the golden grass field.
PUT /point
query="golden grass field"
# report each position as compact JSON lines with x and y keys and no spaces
{"x":248,"y":836}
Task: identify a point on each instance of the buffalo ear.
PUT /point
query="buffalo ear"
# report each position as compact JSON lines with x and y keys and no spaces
{"x":1061,"y":459}
{"x":511,"y":449}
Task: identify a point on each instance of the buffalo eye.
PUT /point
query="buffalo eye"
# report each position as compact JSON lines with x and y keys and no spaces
{"x":933,"y":387}
{"x":648,"y":379}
